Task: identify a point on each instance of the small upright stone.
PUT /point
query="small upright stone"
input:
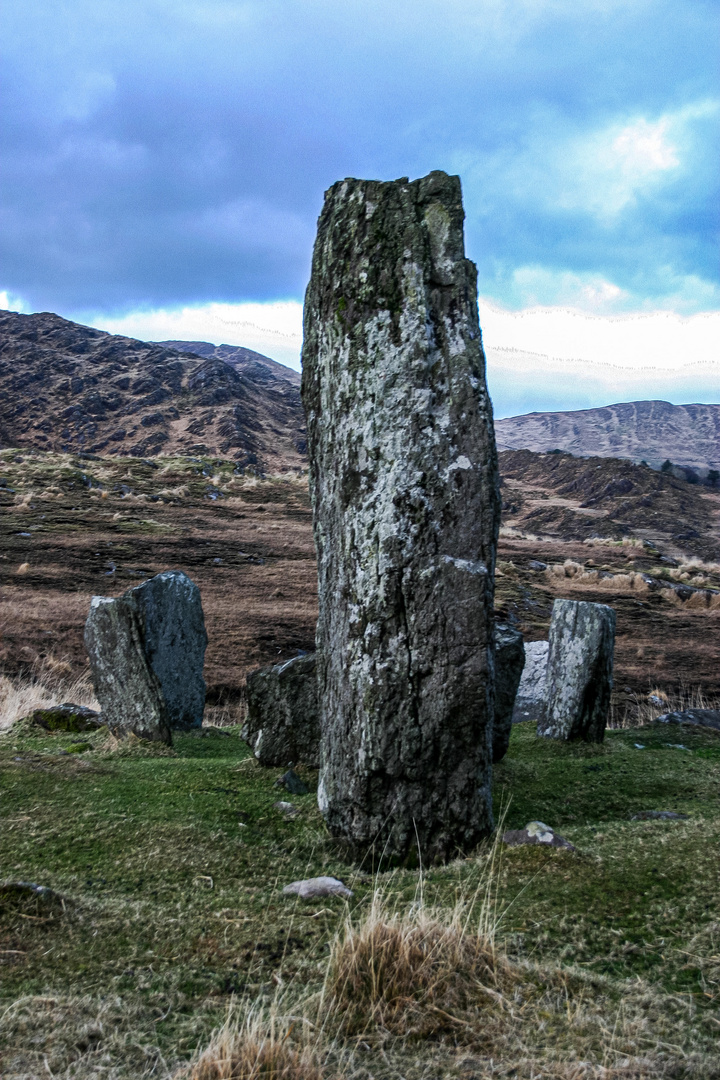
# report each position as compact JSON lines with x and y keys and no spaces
{"x":579,"y":671}
{"x":282,"y":724}
{"x":509,"y":663}
{"x":530,"y":698}
{"x":146,"y":652}
{"x":404,"y":482}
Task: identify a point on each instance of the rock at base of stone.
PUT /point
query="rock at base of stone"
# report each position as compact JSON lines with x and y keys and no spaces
{"x":530,"y":697}
{"x":292,"y":783}
{"x":509,"y":663}
{"x":312,"y":888}
{"x":282,"y":725}
{"x":146,"y":652}
{"x":535,"y":832}
{"x":68,"y":717}
{"x":707,"y":718}
{"x":579,"y":671}
{"x":404,"y":483}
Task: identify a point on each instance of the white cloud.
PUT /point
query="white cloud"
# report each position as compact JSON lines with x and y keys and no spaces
{"x":550,"y":357}
{"x":274,"y":328}
{"x":10,"y":302}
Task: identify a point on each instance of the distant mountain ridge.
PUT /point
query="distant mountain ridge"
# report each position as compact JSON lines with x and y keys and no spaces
{"x":68,"y":387}
{"x":650,"y":431}
{"x":237,"y":356}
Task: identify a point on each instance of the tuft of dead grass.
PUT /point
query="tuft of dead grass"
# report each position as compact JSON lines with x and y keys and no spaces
{"x":412,"y":974}
{"x":49,"y":684}
{"x":261,"y":1047}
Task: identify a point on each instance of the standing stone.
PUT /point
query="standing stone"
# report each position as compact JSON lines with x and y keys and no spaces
{"x":509,"y":663}
{"x":282,"y":724}
{"x":579,"y":671}
{"x":146,"y":652}
{"x":530,"y":699}
{"x":404,"y":481}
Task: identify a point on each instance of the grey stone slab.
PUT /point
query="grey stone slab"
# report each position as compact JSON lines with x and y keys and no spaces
{"x":579,"y":671}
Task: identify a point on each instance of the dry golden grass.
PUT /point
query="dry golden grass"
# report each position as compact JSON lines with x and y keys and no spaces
{"x":412,"y":974}
{"x":260,"y":1047}
{"x":49,"y":684}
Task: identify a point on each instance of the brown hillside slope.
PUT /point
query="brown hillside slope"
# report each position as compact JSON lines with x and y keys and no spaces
{"x":68,"y":387}
{"x":639,"y":430}
{"x":581,"y":498}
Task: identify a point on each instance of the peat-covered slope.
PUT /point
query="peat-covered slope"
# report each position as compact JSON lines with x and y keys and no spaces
{"x":244,"y":360}
{"x":650,"y":431}
{"x":580,"y":498}
{"x":68,"y":387}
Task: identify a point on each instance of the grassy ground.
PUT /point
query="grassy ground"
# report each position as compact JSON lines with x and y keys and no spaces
{"x":170,"y":866}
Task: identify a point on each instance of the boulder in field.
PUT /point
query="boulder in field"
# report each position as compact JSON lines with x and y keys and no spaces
{"x":282,"y":725}
{"x":146,"y":652}
{"x":530,"y":698}
{"x":579,"y":671}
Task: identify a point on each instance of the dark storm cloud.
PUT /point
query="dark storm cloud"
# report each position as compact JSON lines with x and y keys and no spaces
{"x":176,"y":152}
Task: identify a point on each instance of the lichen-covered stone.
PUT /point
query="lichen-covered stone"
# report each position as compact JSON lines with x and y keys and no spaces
{"x":579,"y":675}
{"x":146,"y":652}
{"x":404,"y":482}
{"x":67,"y":717}
{"x":174,"y":636}
{"x":282,"y":724}
{"x":530,"y":697}
{"x":509,"y":663}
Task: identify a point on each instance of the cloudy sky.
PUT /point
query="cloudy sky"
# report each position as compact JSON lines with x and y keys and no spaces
{"x":162,"y":166}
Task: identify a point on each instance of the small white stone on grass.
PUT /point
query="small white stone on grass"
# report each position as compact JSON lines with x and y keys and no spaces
{"x":311,"y":888}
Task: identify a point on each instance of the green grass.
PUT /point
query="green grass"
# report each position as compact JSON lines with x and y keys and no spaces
{"x":172,"y":865}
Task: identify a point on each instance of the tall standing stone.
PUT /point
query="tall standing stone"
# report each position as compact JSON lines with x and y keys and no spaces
{"x":579,"y":674}
{"x":146,"y":651}
{"x":404,"y":482}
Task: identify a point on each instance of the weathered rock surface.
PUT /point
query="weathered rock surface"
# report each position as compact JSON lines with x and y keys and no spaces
{"x":535,"y":832}
{"x":404,"y":482}
{"x":67,"y":717}
{"x":509,"y":663}
{"x":146,"y":652}
{"x":708,"y":718}
{"x":579,"y":671}
{"x":174,"y":636}
{"x":283,"y":725}
{"x":530,"y":697}
{"x":312,"y":888}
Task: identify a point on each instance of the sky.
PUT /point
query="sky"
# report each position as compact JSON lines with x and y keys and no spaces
{"x":163,"y":163}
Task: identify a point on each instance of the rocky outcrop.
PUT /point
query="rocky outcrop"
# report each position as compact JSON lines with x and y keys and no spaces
{"x":509,"y":663}
{"x":405,"y":494}
{"x":579,"y":671}
{"x":530,"y":698}
{"x":282,"y":725}
{"x":146,"y":652}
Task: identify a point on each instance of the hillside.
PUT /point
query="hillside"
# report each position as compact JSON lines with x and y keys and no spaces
{"x":67,"y":387}
{"x":585,"y":498}
{"x":650,"y":431}
{"x":242,"y":359}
